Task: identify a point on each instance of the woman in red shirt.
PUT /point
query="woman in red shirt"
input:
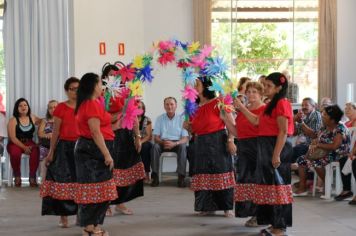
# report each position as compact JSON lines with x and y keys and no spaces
{"x":273,"y":192}
{"x":93,"y":151}
{"x":246,"y":134}
{"x":128,"y":167}
{"x":58,"y":189}
{"x":213,"y":178}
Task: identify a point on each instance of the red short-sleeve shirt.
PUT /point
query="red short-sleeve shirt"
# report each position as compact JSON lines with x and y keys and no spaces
{"x":207,"y":119}
{"x":68,"y":130}
{"x":92,"y":109}
{"x":268,"y":124}
{"x":246,"y":129}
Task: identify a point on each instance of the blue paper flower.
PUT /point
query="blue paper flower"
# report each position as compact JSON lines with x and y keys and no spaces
{"x":145,"y":74}
{"x":215,"y":66}
{"x":216,"y":87}
{"x":190,"y":107}
{"x":190,"y":76}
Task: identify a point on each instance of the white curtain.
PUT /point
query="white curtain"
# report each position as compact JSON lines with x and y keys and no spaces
{"x":36,"y":45}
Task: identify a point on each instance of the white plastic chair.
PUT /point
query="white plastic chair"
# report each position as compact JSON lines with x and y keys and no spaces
{"x":164,"y":155}
{"x":329,"y":179}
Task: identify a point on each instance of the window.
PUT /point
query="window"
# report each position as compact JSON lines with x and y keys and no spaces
{"x":2,"y":67}
{"x":262,"y":36}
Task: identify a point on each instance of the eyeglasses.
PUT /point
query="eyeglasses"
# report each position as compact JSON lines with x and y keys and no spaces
{"x":74,"y":89}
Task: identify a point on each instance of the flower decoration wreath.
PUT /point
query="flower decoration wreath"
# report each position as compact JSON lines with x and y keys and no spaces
{"x":194,"y":61}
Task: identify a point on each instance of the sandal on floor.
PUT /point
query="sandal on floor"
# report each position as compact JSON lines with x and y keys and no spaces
{"x":266,"y":232}
{"x":228,"y":214}
{"x":252,"y":222}
{"x":63,"y":224}
{"x":95,"y":233}
{"x":17,"y":181}
{"x":126,"y":211}
{"x":108,"y":212}
{"x":206,"y":213}
{"x":33,"y":182}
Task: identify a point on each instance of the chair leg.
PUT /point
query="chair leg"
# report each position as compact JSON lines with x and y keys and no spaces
{"x":353,"y":184}
{"x":160,"y":169}
{"x":328,"y":181}
{"x":314,"y":182}
{"x":338,"y":182}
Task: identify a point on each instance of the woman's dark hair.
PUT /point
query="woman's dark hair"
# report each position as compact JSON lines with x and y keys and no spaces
{"x":86,"y":88}
{"x":70,"y":81}
{"x":48,"y":116}
{"x":334,"y":112}
{"x":107,"y":68}
{"x":278,"y":79}
{"x":206,"y":81}
{"x":16,"y":112}
{"x":142,"y":115}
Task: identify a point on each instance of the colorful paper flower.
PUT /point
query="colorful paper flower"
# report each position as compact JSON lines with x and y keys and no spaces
{"x":166,"y":45}
{"x":190,"y":93}
{"x":215,"y":66}
{"x":166,"y":58}
{"x":206,"y":50}
{"x":145,"y":74}
{"x":216,"y":87}
{"x":190,"y":76}
{"x":136,"y":88}
{"x":190,"y":108}
{"x":131,"y":112}
{"x":127,"y":73}
{"x":198,"y":61}
{"x":138,"y":62}
{"x":225,"y":104}
{"x":193,"y":47}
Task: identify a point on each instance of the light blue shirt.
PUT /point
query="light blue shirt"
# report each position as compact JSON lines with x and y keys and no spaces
{"x":170,"y":129}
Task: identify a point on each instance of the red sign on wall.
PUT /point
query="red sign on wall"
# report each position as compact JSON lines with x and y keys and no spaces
{"x":102,"y":48}
{"x":121,"y":48}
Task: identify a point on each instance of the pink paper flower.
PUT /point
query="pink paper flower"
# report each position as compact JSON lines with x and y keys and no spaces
{"x":130,"y":114}
{"x":166,"y":45}
{"x":198,"y":61}
{"x":166,"y":58}
{"x":190,"y":93}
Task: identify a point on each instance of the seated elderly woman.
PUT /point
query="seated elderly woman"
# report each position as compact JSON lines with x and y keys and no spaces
{"x":333,"y":144}
{"x":20,"y":130}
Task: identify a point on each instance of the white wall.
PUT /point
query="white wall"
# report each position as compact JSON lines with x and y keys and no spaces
{"x":138,"y":24}
{"x":346,"y":48}
{"x":166,"y":19}
{"x":109,"y":21}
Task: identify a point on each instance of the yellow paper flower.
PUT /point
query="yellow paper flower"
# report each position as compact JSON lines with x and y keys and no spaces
{"x":228,"y":87}
{"x":193,"y":47}
{"x":138,"y":62}
{"x":136,"y":88}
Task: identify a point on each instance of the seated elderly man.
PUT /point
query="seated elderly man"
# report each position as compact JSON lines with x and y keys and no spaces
{"x":169,"y":136}
{"x":307,"y":122}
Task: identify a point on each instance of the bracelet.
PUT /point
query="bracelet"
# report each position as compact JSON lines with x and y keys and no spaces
{"x":138,"y":135}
